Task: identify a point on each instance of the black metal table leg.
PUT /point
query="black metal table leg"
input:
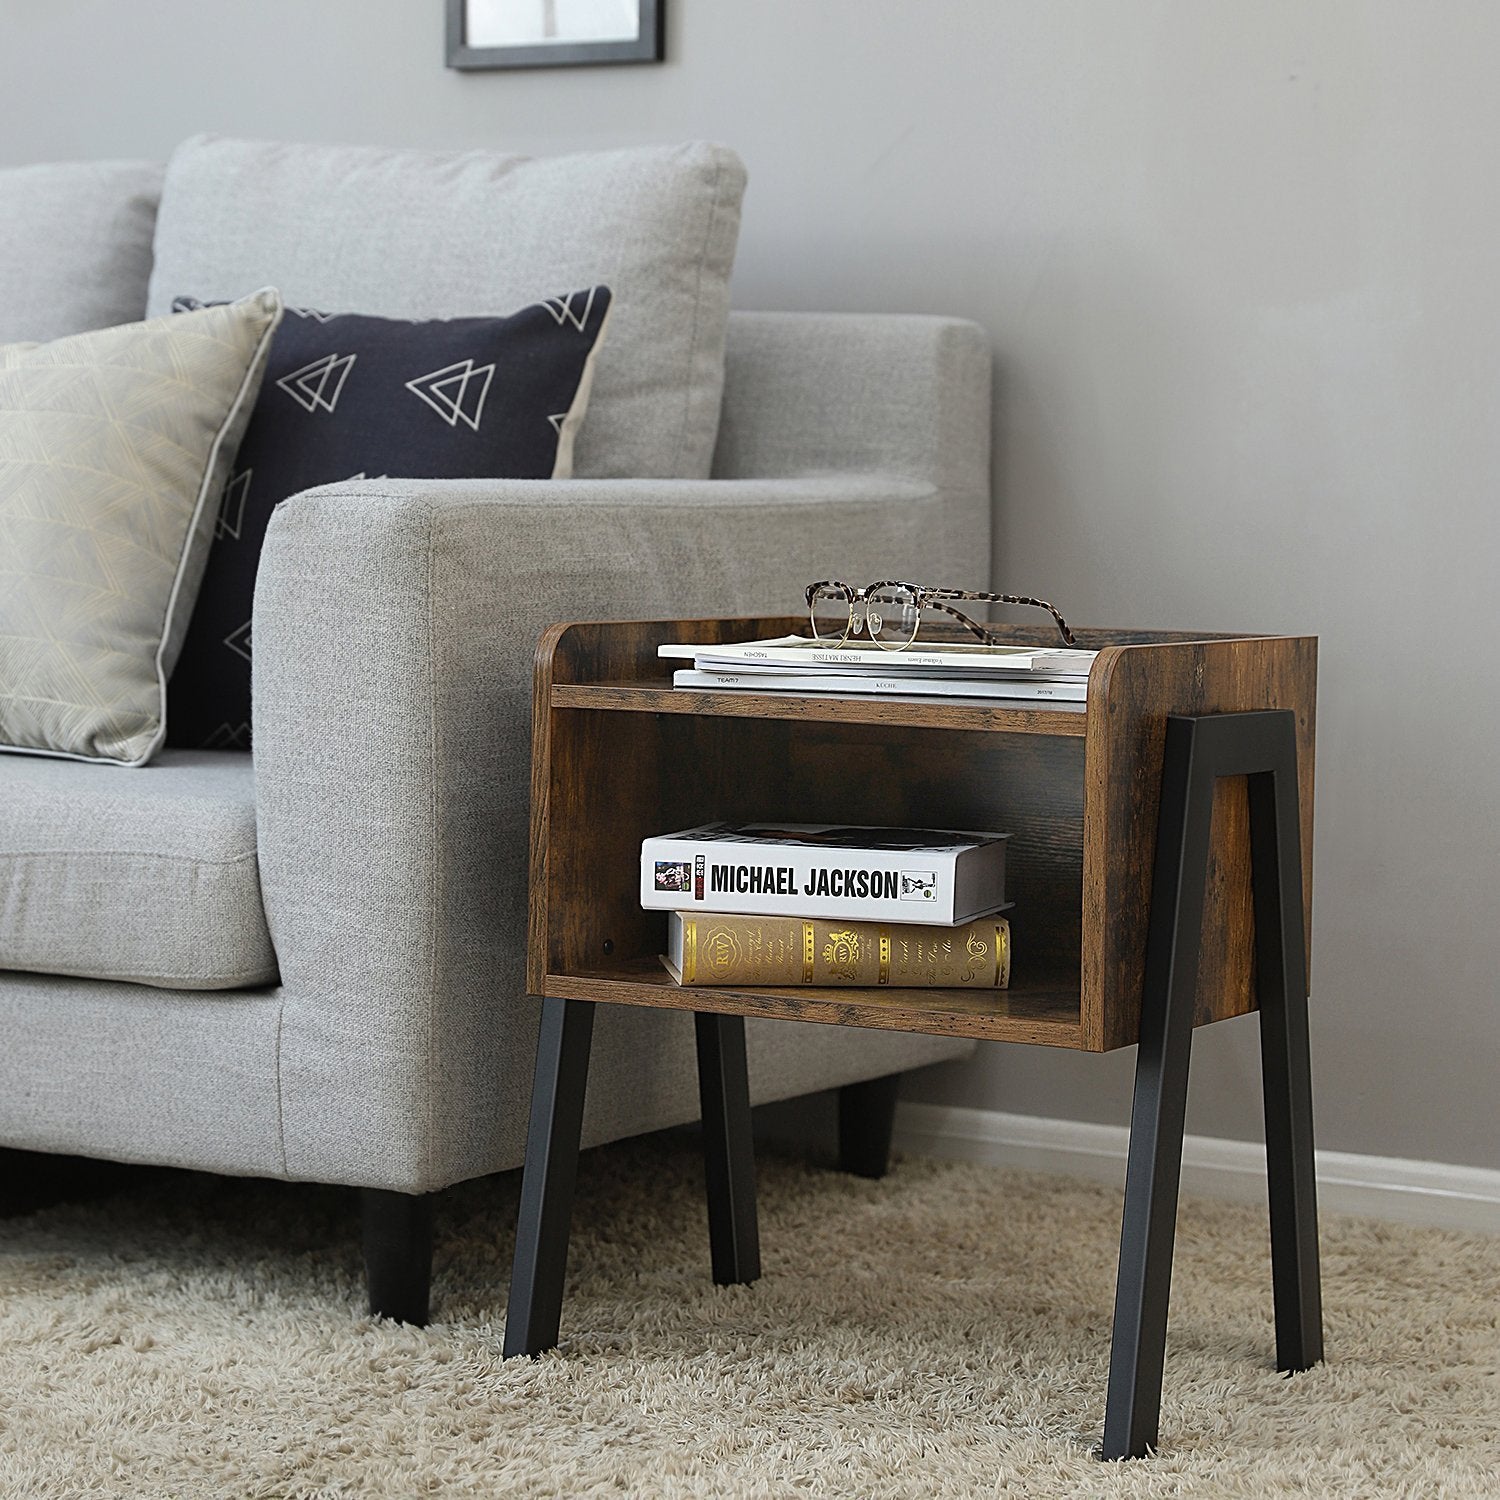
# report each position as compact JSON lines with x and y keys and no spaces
{"x":549,"y":1177}
{"x":1262,"y":747}
{"x":1153,"y":1170}
{"x":728,"y":1150}
{"x":1286,"y":1066}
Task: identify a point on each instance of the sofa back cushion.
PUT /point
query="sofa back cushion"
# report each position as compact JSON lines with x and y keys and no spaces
{"x":75,"y":247}
{"x":412,"y":234}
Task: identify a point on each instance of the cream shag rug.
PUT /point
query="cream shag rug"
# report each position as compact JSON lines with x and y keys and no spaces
{"x":941,"y":1333}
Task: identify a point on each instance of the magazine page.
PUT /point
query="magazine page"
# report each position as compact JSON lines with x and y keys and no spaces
{"x":802,"y":652}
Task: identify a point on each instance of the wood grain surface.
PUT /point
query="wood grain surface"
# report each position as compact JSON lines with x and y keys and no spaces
{"x":1041,"y":1015}
{"x":935,"y":713}
{"x":1132,"y":691}
{"x":619,"y":756}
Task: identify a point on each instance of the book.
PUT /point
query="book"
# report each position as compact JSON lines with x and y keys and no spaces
{"x":802,"y":652}
{"x":816,"y":684}
{"x":714,"y":948}
{"x":935,"y":877}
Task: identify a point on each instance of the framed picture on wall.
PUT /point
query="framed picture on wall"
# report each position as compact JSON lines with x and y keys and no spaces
{"x":554,"y":33}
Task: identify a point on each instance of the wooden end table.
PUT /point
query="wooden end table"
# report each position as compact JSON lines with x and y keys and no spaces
{"x":1161,"y":861}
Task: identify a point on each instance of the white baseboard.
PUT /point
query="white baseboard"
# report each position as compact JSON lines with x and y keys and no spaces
{"x":1383,"y":1187}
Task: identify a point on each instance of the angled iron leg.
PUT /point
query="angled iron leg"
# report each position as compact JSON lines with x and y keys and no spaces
{"x":549,"y":1177}
{"x":728,"y":1151}
{"x":1153,"y":1170}
{"x":1286,"y":1068}
{"x":1262,"y":747}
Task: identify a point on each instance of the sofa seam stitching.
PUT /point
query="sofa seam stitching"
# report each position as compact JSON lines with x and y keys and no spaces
{"x":281,"y":1090}
{"x":771,"y":498}
{"x":145,"y":854}
{"x":155,"y":977}
{"x":433,"y":875}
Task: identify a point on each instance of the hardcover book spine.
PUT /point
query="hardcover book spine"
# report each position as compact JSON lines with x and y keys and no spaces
{"x":728,"y":950}
{"x":869,"y":885}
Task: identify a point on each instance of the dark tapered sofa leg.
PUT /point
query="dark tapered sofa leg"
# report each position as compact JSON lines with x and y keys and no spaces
{"x":867,"y":1115}
{"x":398,"y":1253}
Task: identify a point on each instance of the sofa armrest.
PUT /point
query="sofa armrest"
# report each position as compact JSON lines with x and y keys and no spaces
{"x":395,"y":632}
{"x":878,"y":393}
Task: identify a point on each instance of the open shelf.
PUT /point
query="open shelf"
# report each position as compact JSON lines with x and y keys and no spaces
{"x":620,"y":754}
{"x":661,"y":697}
{"x":1044,"y":1013}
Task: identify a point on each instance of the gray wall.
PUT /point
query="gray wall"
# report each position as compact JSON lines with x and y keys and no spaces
{"x":1240,"y":267}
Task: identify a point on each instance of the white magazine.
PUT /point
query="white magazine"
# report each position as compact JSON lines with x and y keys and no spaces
{"x":818,"y":684}
{"x":801,"y":652}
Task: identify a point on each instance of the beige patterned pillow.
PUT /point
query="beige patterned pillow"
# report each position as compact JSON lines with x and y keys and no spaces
{"x":114,"y":450}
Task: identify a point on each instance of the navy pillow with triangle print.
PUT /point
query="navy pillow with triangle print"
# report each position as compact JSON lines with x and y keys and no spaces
{"x":351,"y":397}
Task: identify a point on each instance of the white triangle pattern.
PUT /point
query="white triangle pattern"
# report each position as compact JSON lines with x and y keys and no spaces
{"x":231,"y":520}
{"x":457,"y":392}
{"x":566,"y":309}
{"x":238,"y":641}
{"x":309,"y":386}
{"x":229,"y":737}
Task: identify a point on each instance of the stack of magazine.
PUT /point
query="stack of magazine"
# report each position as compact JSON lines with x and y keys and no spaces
{"x":830,"y":904}
{"x":950,"y":669}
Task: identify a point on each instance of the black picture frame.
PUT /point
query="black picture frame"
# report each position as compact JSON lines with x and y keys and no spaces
{"x":648,"y":45}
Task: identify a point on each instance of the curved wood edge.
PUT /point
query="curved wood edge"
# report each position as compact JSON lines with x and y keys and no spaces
{"x":623,"y":651}
{"x":1132,"y":690}
{"x":537,"y":885}
{"x":547,"y":647}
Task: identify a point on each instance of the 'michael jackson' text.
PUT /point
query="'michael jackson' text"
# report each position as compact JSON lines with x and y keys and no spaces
{"x":780,"y":880}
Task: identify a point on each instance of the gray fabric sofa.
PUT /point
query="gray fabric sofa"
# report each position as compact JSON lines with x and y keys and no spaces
{"x":307,"y":963}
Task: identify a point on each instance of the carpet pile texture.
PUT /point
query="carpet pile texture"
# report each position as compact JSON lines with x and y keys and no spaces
{"x":943,"y":1332}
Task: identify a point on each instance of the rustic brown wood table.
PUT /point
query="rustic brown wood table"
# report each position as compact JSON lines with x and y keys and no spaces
{"x":1160,"y":858}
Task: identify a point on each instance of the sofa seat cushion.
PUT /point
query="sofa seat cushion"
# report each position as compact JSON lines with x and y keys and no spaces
{"x":143,"y":874}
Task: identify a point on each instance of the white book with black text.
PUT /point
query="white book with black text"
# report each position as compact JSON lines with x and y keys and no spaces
{"x":937,"y":876}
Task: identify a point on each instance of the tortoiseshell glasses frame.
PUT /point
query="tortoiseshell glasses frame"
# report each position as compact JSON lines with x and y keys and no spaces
{"x":895,"y":628}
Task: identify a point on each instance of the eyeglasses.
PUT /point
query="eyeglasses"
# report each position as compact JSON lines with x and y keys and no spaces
{"x":892,"y":612}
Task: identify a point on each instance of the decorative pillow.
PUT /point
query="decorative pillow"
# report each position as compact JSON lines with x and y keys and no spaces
{"x":347,"y":397}
{"x":114,"y":449}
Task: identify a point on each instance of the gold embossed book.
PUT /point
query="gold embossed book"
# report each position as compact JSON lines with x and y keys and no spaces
{"x":712,"y":948}
{"x":941,"y":877}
